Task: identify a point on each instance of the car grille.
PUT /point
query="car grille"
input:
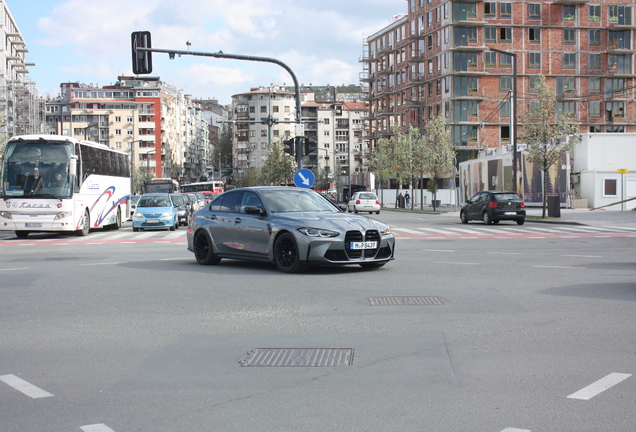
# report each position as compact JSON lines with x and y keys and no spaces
{"x":356,"y":236}
{"x":152,"y":215}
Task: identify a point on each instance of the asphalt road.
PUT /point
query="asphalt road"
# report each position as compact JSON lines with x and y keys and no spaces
{"x":498,"y":328}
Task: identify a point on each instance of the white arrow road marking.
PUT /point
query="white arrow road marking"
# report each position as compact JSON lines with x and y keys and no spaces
{"x":22,"y":386}
{"x":599,"y":386}
{"x":96,"y":428}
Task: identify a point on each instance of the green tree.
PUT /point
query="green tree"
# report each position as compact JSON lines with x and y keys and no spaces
{"x":437,"y":154}
{"x":138,"y":176}
{"x":548,"y":134}
{"x":278,"y":167}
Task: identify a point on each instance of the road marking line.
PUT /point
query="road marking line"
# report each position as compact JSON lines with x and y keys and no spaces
{"x":459,"y":263}
{"x":505,"y":253}
{"x":24,"y":387}
{"x":106,"y":263}
{"x":560,"y":267}
{"x":515,"y":430}
{"x":439,"y":250}
{"x":174,"y":259}
{"x":13,"y":269}
{"x":599,"y":386}
{"x":583,"y":256}
{"x":96,"y":428}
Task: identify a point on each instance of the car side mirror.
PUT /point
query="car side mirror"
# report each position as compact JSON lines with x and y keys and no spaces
{"x":254,"y":210}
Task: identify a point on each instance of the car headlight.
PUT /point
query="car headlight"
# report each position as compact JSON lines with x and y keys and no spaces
{"x":138,"y":215}
{"x":385,"y":230}
{"x":167,"y":214}
{"x":62,"y":215}
{"x":5,"y":215}
{"x":317,"y":232}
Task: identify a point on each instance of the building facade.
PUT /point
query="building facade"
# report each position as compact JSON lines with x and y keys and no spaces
{"x":453,"y":58}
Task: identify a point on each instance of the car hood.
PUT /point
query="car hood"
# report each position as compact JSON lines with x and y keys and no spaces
{"x":338,"y":221}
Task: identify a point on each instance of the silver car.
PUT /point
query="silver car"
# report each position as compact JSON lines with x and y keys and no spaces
{"x":290,"y":227}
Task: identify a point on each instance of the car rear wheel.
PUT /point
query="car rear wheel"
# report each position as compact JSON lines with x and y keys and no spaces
{"x":135,"y":229}
{"x":203,"y":250}
{"x":21,"y":234}
{"x":378,"y":212}
{"x":520,"y":221}
{"x":487,"y":218}
{"x":463,"y":217}
{"x":287,"y":255}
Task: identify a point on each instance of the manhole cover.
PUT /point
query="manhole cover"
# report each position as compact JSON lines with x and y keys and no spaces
{"x":299,"y":357}
{"x":405,"y":300}
{"x":63,"y":259}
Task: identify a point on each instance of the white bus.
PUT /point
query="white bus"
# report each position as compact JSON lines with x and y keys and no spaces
{"x":51,"y":183}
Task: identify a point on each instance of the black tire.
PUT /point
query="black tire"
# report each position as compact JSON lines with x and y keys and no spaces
{"x":521,"y":221}
{"x":355,"y":211}
{"x":495,"y":222}
{"x":203,"y":250}
{"x":372,"y":265}
{"x":378,"y":212}
{"x":287,"y":255}
{"x":463,"y":217}
{"x":87,"y":225}
{"x":172,"y":228}
{"x":21,"y":234}
{"x":135,"y":229}
{"x":117,"y":223}
{"x":487,"y":218}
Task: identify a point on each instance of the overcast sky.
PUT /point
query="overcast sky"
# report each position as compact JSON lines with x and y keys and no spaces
{"x":89,"y":41}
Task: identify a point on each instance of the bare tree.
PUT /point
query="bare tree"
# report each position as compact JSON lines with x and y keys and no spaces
{"x":550,"y":135}
{"x":437,"y":153}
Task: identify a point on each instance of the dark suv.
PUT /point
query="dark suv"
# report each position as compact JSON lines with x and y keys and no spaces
{"x":493,"y":207}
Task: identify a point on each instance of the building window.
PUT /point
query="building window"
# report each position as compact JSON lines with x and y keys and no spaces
{"x":463,"y":60}
{"x":505,"y":61}
{"x":615,"y":129}
{"x":569,"y":12}
{"x":326,"y":133}
{"x":534,"y":35}
{"x":252,"y":133}
{"x":594,"y":85}
{"x":505,"y":10}
{"x":490,"y":59}
{"x":565,"y":86}
{"x":621,"y":15}
{"x":504,"y":110}
{"x":118,"y":144}
{"x":490,"y":9}
{"x":117,"y":119}
{"x":619,"y":39}
{"x":533,"y":84}
{"x":569,"y":60}
{"x":505,"y":35}
{"x":491,"y":34}
{"x":463,"y":36}
{"x":595,"y":13}
{"x":463,"y":86}
{"x":610,"y":187}
{"x":594,"y":109}
{"x":504,"y":133}
{"x":534,"y":11}
{"x":117,"y":131}
{"x":534,"y":60}
{"x":595,"y":61}
{"x":614,"y":111}
{"x":616,"y":86}
{"x":595,"y":37}
{"x":569,"y":36}
{"x":564,"y":108}
{"x":505,"y":84}
{"x":129,"y":119}
{"x":464,"y":11}
{"x":252,"y":109}
{"x":263,"y":133}
{"x":275,"y":108}
{"x":621,"y":64}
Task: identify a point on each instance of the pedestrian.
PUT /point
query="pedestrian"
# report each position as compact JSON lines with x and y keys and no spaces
{"x":407,"y":197}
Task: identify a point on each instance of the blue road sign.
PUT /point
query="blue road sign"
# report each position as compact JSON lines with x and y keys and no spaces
{"x":304,"y":178}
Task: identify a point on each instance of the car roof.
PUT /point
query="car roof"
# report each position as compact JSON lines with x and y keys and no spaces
{"x":157,"y":194}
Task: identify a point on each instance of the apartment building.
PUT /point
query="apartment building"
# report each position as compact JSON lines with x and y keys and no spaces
{"x":156,"y":123}
{"x":333,"y":117}
{"x":451,"y":58}
{"x":20,"y":106}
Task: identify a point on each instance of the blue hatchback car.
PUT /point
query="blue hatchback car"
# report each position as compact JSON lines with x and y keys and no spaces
{"x":155,"y":211}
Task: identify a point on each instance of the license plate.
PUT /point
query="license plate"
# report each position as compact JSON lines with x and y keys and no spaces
{"x":363,"y":245}
{"x":510,"y":213}
{"x":33,"y":225}
{"x":153,"y":221}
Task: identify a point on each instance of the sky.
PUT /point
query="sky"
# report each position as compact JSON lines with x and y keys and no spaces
{"x":88,"y":41}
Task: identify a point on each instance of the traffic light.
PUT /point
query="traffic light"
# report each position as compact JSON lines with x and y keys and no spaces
{"x":310,"y":146}
{"x":141,"y":60}
{"x":290,"y":146}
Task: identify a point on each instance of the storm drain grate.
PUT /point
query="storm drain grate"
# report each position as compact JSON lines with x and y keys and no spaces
{"x":405,"y":300}
{"x":64,"y":259}
{"x":299,"y":357}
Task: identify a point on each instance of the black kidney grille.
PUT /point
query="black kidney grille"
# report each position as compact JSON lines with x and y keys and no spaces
{"x":372,"y":236}
{"x":356,"y":236}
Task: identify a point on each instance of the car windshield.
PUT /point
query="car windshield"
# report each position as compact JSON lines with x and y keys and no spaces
{"x":507,"y":196}
{"x":286,"y":201}
{"x":368,"y":196}
{"x":177,"y":199}
{"x":153,"y":201}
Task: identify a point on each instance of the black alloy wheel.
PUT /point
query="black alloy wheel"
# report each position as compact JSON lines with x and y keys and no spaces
{"x":463,"y":217}
{"x":286,"y":254}
{"x":203,"y":250}
{"x":487,"y":218}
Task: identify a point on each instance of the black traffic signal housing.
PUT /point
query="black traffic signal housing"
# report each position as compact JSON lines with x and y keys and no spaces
{"x":290,"y":146}
{"x":310,"y":146}
{"x":141,"y":60}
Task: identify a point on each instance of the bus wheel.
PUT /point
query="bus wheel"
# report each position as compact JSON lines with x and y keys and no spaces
{"x":87,"y":225}
{"x":21,"y":234}
{"x":117,"y":223}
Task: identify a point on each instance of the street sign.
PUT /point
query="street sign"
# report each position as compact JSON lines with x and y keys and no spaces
{"x":304,"y":178}
{"x":623,"y":171}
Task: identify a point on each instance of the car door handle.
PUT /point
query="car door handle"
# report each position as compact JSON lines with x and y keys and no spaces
{"x":238,"y":220}
{"x":211,"y":217}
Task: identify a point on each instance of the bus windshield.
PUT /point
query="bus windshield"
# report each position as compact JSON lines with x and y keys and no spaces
{"x":37,"y":169}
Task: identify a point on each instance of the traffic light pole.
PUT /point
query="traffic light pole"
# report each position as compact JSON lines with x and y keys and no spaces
{"x":141,"y":49}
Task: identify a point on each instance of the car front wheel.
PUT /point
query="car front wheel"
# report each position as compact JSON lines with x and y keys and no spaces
{"x":463,"y":217}
{"x":287,"y":255}
{"x":203,"y":250}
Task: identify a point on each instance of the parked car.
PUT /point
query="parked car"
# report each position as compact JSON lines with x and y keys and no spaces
{"x":290,"y":227}
{"x":133,"y":204}
{"x":365,"y":202}
{"x":184,"y":209}
{"x":494,"y":206}
{"x":154,"y":211}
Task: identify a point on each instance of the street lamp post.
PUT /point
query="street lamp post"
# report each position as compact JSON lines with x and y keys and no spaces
{"x":513,"y":120}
